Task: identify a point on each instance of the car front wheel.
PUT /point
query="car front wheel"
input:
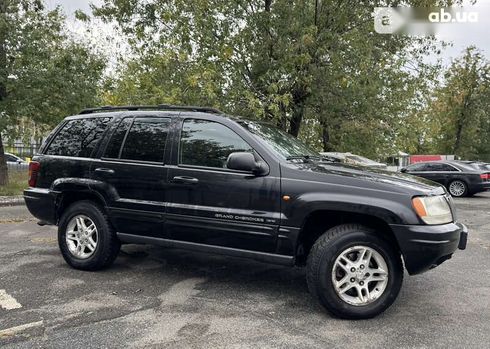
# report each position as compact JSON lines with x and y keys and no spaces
{"x":354,"y":273}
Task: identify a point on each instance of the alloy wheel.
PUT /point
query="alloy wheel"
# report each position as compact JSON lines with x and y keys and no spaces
{"x":81,"y":236}
{"x":457,"y":188}
{"x":360,"y":275}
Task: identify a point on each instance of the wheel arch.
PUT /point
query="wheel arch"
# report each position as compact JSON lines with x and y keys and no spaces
{"x":319,"y":221}
{"x":71,"y":190}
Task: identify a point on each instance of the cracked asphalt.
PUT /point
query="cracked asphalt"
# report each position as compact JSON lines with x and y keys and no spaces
{"x":164,"y":298}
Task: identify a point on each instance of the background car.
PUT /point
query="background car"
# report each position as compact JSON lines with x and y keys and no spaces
{"x":478,"y":165}
{"x":14,"y":163}
{"x":354,"y":159}
{"x":460,"y":179}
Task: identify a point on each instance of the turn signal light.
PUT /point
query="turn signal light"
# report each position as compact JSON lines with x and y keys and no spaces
{"x":34,"y":168}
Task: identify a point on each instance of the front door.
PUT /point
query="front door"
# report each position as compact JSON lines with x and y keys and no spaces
{"x":132,"y":168}
{"x":210,"y":204}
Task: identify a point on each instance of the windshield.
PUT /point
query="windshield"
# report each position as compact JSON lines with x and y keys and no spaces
{"x":282,"y":142}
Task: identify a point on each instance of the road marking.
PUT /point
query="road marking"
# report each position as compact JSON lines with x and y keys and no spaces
{"x":8,"y":302}
{"x":12,"y":331}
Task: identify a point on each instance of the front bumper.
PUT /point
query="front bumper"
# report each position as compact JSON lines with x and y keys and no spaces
{"x":426,"y":246}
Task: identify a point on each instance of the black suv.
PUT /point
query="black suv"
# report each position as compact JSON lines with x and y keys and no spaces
{"x":194,"y":178}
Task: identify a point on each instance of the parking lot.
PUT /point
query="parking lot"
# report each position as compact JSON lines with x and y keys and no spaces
{"x":154,"y":297}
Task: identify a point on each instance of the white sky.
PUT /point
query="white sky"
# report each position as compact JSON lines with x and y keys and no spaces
{"x":462,"y":35}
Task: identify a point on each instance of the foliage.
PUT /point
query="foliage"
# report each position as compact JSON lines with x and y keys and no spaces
{"x":46,"y":75}
{"x":291,"y":62}
{"x":461,"y":108}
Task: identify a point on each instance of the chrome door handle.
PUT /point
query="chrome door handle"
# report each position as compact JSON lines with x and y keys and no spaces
{"x":104,"y":170}
{"x":185,"y":180}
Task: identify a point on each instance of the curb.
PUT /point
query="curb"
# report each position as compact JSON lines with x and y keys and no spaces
{"x":11,"y":201}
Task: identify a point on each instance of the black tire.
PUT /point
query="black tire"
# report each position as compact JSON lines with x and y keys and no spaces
{"x":108,"y":245}
{"x":463,"y":184}
{"x":321,"y":260}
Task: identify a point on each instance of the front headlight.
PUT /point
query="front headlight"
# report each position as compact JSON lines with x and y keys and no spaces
{"x":433,"y":209}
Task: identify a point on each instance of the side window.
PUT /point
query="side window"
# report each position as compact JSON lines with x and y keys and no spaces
{"x":78,"y":137}
{"x":207,"y":143}
{"x":434,"y":167}
{"x":146,"y":140}
{"x":448,"y":168}
{"x":114,"y":146}
{"x":10,"y":158}
{"x":417,"y":168}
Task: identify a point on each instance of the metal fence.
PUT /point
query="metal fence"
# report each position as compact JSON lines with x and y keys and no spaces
{"x":22,"y":150}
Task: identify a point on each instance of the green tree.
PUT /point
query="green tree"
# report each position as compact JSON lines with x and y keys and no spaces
{"x":461,"y":107}
{"x":45,"y":73}
{"x":291,"y":62}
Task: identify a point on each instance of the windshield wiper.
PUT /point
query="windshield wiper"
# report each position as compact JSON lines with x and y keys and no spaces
{"x":303,"y":157}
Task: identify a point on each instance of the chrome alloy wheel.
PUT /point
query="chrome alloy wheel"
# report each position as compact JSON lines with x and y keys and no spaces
{"x":81,"y":236}
{"x":457,"y":188}
{"x":360,"y":275}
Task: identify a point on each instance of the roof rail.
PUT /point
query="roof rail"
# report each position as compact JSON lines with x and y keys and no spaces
{"x":151,"y":107}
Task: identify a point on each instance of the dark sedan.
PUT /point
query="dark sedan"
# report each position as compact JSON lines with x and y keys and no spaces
{"x":460,"y":179}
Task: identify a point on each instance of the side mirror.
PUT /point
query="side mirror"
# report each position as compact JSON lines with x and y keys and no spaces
{"x":244,"y":161}
{"x":403,"y":170}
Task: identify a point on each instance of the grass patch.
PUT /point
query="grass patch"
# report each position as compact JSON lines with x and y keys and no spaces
{"x":17,"y":184}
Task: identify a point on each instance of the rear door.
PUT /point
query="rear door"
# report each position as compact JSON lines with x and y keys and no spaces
{"x":210,"y":204}
{"x":133,"y":174}
{"x":442,"y":173}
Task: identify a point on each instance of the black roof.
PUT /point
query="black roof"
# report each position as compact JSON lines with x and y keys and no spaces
{"x":151,"y":107}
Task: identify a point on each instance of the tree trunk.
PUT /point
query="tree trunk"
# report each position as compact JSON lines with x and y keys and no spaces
{"x":4,"y":175}
{"x":296,"y":119}
{"x":3,"y":89}
{"x":325,"y":137}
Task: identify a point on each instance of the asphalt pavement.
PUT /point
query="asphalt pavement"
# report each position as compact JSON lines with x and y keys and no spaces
{"x":169,"y":298}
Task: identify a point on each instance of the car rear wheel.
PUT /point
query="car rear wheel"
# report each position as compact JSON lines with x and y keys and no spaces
{"x":354,"y":273}
{"x":86,"y":238}
{"x":458,"y":188}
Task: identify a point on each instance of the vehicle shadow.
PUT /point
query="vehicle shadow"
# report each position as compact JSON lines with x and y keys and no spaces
{"x":226,"y":277}
{"x":237,"y":280}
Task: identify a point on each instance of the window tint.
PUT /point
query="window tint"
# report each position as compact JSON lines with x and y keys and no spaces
{"x":112,"y":149}
{"x":417,"y":168}
{"x":439,"y":167}
{"x":434,"y":167}
{"x":447,"y":168}
{"x":207,"y":143}
{"x":78,"y":137}
{"x":10,"y":158}
{"x":146,"y":140}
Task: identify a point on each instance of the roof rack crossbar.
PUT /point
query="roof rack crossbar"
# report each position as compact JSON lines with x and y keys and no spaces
{"x":151,"y":107}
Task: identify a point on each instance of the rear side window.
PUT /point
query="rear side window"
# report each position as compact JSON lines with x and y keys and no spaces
{"x":117,"y":139}
{"x":146,"y":140}
{"x":207,"y":143}
{"x":78,"y":137}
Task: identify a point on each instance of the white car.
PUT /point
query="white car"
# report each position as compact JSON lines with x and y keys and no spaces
{"x":15,"y":163}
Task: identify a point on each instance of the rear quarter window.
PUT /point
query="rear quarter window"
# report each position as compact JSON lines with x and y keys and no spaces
{"x":78,"y":137}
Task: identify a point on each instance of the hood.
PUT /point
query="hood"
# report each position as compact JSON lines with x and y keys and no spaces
{"x":365,"y":177}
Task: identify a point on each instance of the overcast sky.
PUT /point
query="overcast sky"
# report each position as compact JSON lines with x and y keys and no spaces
{"x":462,"y":35}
